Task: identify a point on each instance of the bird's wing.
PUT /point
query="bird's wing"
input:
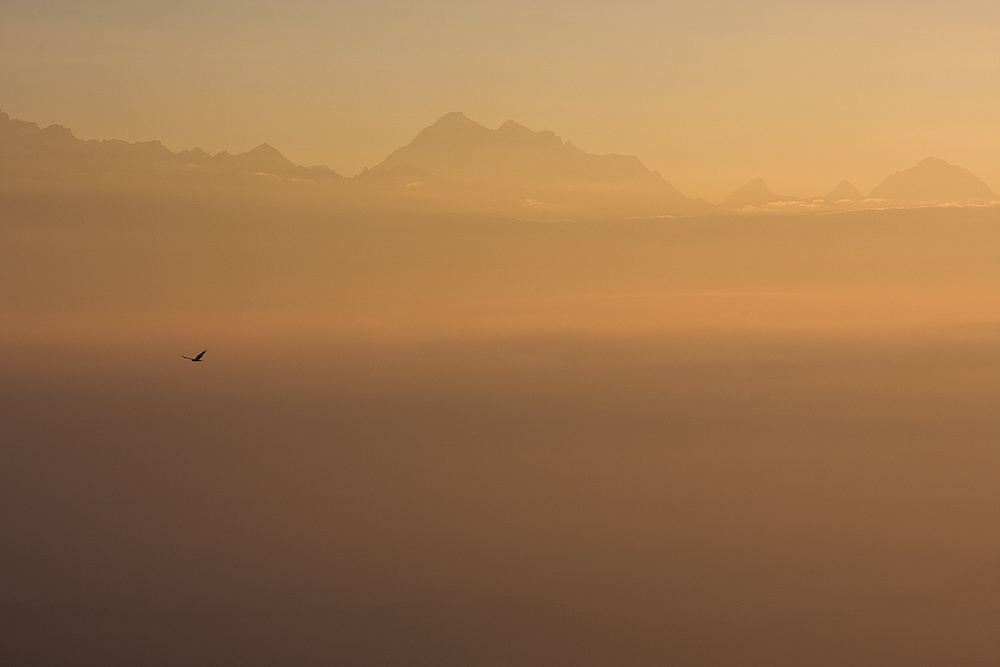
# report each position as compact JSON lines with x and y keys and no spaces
{"x":200,"y":355}
{"x":183,"y":357}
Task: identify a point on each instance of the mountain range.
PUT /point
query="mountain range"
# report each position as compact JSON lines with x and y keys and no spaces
{"x":931,"y":181}
{"x":455,"y":163}
{"x":27,"y":150}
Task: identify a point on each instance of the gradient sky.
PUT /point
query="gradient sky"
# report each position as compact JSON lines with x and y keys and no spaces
{"x":711,"y":93}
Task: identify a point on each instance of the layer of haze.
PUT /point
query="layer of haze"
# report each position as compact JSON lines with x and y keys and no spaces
{"x":709,"y":93}
{"x":454,"y":441}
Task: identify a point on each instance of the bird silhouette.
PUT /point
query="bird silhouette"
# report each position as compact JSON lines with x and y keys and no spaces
{"x":198,"y":358}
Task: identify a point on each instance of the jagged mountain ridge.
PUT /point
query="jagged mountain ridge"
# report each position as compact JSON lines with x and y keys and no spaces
{"x":456,"y":163}
{"x":539,"y":170}
{"x":462,"y":150}
{"x":28,"y":148}
{"x":546,"y":177}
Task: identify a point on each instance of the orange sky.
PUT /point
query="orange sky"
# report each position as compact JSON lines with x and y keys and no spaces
{"x":710,"y":93}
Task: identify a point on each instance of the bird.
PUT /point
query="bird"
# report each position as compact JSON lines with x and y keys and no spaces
{"x":198,"y":358}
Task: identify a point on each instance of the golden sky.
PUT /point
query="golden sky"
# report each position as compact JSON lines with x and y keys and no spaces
{"x":711,"y":93}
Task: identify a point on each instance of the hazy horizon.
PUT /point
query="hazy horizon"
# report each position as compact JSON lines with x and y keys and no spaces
{"x":464,"y":161}
{"x":710,"y":94}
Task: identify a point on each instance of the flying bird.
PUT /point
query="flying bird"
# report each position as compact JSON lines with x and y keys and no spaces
{"x":198,"y":358}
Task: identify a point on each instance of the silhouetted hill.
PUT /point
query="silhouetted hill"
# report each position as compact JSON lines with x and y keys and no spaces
{"x":461,"y":150}
{"x":933,"y":180}
{"x":845,"y":191}
{"x":28,"y":151}
{"x":512,"y":156}
{"x":754,"y":193}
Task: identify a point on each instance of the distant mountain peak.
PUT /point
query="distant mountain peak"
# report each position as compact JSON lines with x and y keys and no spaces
{"x":517,"y":162}
{"x":754,"y":193}
{"x":513,"y":127}
{"x":59,"y":130}
{"x":456,"y":120}
{"x":451,"y":128}
{"x":933,"y":180}
{"x":454,"y":117}
{"x":845,"y":191}
{"x":462,"y":150}
{"x":264,"y":149}
{"x":263,"y":158}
